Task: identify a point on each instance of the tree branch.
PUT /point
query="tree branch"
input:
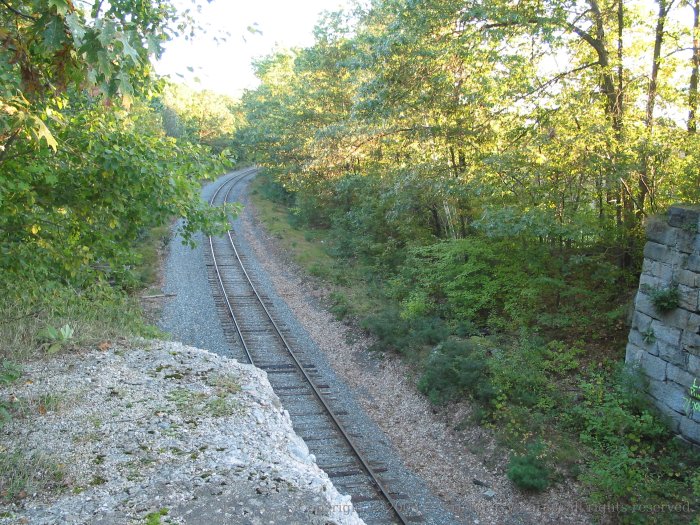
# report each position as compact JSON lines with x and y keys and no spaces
{"x":595,"y":44}
{"x":17,"y":11}
{"x":560,"y":76}
{"x":6,"y":146}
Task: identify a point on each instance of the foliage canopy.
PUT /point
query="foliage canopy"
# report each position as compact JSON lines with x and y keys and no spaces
{"x":85,"y":165}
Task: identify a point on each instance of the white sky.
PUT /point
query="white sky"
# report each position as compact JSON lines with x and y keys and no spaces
{"x":226,"y":67}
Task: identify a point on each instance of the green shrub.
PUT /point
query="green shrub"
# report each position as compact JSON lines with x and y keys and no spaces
{"x":613,"y":414}
{"x":394,"y":333}
{"x":506,"y":286}
{"x":529,"y":472}
{"x":664,"y":299}
{"x":388,"y":327}
{"x":525,"y":373}
{"x":274,"y":191}
{"x":454,"y":369}
{"x":340,"y":307}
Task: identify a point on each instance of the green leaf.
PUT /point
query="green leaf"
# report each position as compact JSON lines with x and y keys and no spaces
{"x":60,"y":5}
{"x":77,"y":29}
{"x":40,"y":131}
{"x":107,"y":31}
{"x":9,"y":372}
{"x":48,"y":334}
{"x":66,"y":332}
{"x":154,"y":47}
{"x":125,"y":83}
{"x":54,"y":34}
{"x":104,"y":63}
{"x":128,"y":49}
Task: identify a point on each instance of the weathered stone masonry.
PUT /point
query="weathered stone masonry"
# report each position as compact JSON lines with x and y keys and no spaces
{"x":666,"y":345}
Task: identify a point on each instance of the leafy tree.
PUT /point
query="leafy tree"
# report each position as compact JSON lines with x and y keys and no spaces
{"x":470,"y":103}
{"x":201,"y":117}
{"x":85,"y":166}
{"x":487,"y":167}
{"x":52,"y":45}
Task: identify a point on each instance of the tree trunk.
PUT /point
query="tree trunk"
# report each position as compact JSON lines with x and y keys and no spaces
{"x":463,"y":159}
{"x":611,"y":85}
{"x":620,"y":54}
{"x":436,"y":221}
{"x":645,"y":182}
{"x":693,"y":88}
{"x":453,"y":160}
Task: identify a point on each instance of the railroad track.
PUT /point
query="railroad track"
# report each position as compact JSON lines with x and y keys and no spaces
{"x":252,"y":326}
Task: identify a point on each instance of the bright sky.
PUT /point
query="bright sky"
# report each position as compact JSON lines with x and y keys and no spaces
{"x":226,"y":67}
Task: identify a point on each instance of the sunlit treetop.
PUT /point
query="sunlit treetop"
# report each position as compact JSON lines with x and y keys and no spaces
{"x":49,"y":46}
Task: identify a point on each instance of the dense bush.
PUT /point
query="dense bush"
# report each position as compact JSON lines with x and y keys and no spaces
{"x":395,"y":333}
{"x":529,"y":471}
{"x":68,"y":213}
{"x":507,"y":286}
{"x":456,"y":369}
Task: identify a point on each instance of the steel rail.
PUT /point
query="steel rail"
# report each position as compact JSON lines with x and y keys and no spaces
{"x":341,"y":428}
{"x":238,"y":178}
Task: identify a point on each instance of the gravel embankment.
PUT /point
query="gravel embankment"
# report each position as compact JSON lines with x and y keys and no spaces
{"x":190,"y":316}
{"x":118,"y":434}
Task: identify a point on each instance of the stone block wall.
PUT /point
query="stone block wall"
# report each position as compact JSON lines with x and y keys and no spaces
{"x":666,"y":344}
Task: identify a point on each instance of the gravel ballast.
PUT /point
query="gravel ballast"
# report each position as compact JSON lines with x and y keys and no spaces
{"x":112,"y":436}
{"x":190,"y":315}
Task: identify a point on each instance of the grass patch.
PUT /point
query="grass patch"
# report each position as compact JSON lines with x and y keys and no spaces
{"x":220,"y":407}
{"x":23,"y":473}
{"x":200,"y":404}
{"x":154,"y":518}
{"x":93,"y":314}
{"x":148,"y":250}
{"x":353,"y":293}
{"x":41,"y":317}
{"x":225,"y":383}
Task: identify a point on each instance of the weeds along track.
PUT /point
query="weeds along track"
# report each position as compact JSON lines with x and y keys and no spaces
{"x":260,"y":336}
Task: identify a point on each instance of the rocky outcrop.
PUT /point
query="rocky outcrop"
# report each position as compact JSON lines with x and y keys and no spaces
{"x":664,"y":341}
{"x":157,"y":431}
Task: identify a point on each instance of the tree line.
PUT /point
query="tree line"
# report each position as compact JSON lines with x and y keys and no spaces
{"x":567,"y":122}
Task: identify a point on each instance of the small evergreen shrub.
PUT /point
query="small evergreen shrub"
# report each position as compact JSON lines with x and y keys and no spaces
{"x":394,"y":333}
{"x":455,"y":368}
{"x":340,"y":307}
{"x":529,"y":472}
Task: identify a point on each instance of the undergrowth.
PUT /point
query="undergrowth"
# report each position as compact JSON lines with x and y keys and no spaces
{"x":39,"y":318}
{"x":94,"y":313}
{"x":23,"y":473}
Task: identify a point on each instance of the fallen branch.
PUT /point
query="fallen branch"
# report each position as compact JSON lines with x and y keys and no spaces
{"x":159,"y":296}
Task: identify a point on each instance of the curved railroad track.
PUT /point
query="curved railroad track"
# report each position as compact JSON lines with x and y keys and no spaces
{"x":251,"y":324}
